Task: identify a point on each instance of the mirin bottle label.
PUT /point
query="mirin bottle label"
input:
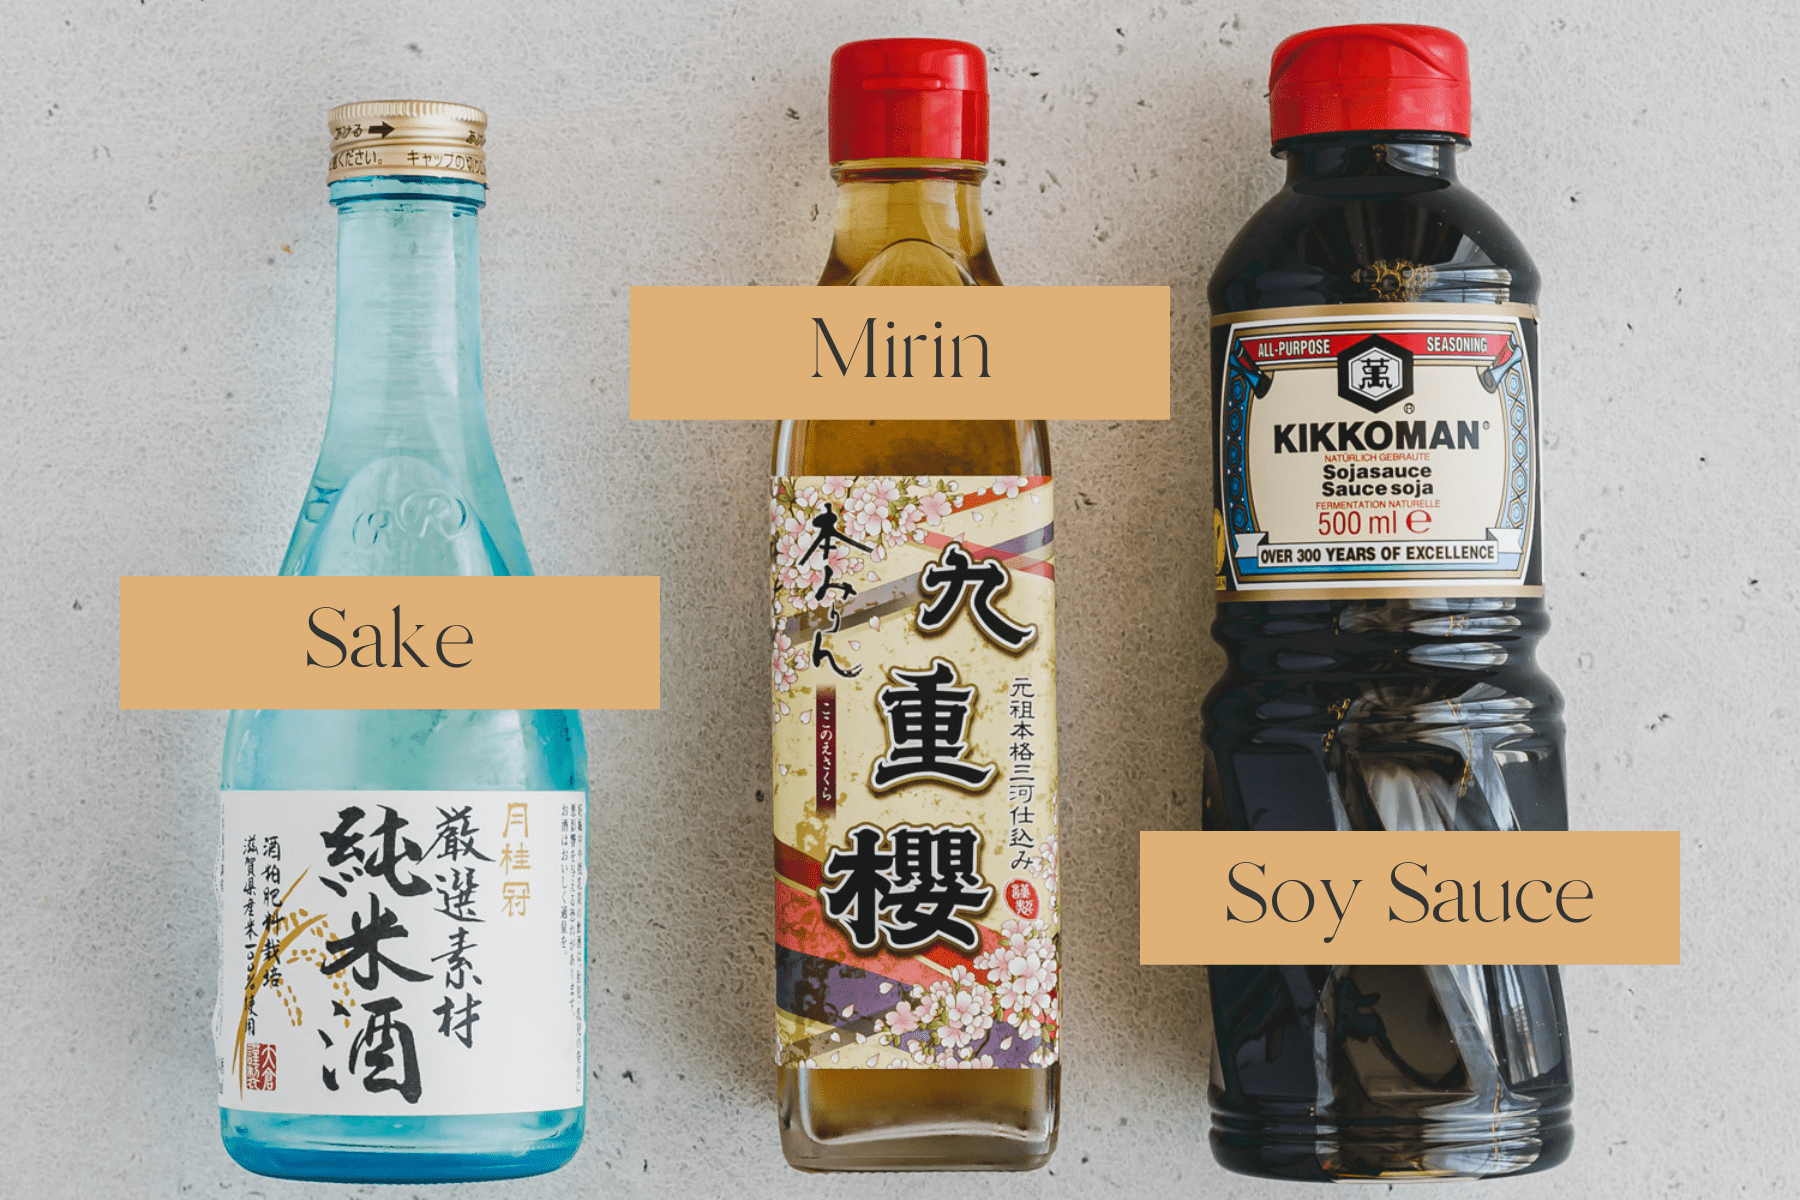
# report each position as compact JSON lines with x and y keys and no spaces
{"x":1378,"y":450}
{"x":915,"y":785}
{"x":401,"y":953}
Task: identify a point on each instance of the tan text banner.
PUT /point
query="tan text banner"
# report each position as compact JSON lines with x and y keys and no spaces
{"x":190,"y":642}
{"x":1228,"y":899}
{"x":907,"y":353}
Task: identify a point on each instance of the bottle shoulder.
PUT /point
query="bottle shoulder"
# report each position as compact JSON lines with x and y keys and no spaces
{"x":403,"y":513}
{"x":912,"y":262}
{"x":863,"y":446}
{"x":1362,"y":240}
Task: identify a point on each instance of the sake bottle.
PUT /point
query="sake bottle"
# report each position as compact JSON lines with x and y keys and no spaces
{"x":914,"y":675}
{"x":1380,"y":586}
{"x":402,"y":988}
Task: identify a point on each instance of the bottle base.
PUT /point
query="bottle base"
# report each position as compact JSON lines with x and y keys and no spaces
{"x":448,"y":1149}
{"x":929,"y":1120}
{"x":1392,"y":1151}
{"x":928,"y":1152}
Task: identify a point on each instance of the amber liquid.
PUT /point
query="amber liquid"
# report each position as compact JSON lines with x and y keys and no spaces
{"x":914,"y":222}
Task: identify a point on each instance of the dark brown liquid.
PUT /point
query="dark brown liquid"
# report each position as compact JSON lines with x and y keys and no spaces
{"x":1334,"y":712}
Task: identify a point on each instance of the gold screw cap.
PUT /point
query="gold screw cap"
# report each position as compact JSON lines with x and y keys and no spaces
{"x":408,"y":137}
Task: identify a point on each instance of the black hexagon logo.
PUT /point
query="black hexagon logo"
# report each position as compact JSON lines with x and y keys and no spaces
{"x":1375,"y":373}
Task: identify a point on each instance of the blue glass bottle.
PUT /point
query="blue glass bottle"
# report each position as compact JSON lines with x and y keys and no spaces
{"x":407,"y":484}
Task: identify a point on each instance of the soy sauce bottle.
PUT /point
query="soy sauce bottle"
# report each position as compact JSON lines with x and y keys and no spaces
{"x":1380,"y":593}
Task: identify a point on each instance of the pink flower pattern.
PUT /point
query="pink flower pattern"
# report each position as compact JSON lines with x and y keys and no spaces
{"x":1010,"y":991}
{"x":1014,"y":983}
{"x":881,"y":511}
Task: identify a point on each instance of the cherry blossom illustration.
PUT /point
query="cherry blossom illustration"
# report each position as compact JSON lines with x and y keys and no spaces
{"x":880,"y":511}
{"x":1010,"y":485}
{"x":1008,"y":994}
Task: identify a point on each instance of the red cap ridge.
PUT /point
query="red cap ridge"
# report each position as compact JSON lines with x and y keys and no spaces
{"x":1367,"y":77}
{"x":909,"y":98}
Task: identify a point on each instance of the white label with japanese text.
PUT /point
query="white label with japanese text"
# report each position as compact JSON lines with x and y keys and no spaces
{"x":405,"y":953}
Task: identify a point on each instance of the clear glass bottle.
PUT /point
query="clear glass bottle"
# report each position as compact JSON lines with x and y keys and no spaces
{"x":909,"y":213}
{"x":406,"y":484}
{"x":1380,"y":699}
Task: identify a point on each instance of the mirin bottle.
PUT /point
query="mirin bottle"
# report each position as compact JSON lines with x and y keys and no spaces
{"x":402,"y":988}
{"x":914,"y":697}
{"x":1380,"y":595}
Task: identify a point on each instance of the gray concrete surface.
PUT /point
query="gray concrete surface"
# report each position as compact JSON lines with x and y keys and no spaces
{"x":166,"y":265}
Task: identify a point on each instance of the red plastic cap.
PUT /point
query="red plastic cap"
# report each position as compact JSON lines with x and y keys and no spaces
{"x":909,"y":98}
{"x":1356,"y":77}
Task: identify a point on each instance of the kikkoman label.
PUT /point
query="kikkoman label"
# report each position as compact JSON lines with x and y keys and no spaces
{"x":915,"y":790}
{"x":400,"y":954}
{"x":1377,"y":450}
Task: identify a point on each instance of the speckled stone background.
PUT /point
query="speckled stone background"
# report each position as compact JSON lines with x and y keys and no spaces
{"x":166,"y":262}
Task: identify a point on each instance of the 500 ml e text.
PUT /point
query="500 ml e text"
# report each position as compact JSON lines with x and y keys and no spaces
{"x":369,"y":652}
{"x":866,"y":338}
{"x":1293,"y":901}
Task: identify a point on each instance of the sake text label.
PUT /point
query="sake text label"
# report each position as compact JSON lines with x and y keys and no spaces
{"x":372,"y":642}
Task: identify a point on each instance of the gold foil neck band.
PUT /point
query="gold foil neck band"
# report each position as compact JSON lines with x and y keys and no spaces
{"x":408,"y":137}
